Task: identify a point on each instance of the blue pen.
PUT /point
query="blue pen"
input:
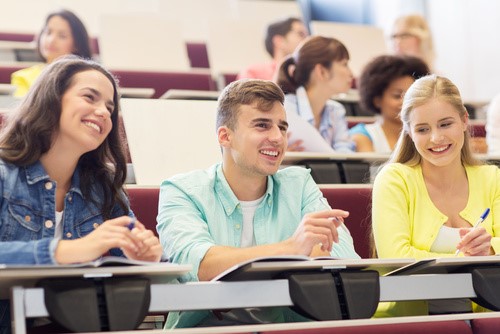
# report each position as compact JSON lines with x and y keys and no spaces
{"x":131,"y":225}
{"x":479,"y":221}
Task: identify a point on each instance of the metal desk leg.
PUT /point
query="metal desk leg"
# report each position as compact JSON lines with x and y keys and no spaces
{"x":18,"y":319}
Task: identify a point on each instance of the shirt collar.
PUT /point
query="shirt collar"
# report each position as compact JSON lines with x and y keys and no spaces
{"x":228,"y":199}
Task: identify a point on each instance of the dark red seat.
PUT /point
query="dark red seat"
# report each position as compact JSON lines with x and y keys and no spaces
{"x":198,"y":55}
{"x":16,"y":37}
{"x":163,"y":81}
{"x":144,"y":203}
{"x":6,"y":72}
{"x":434,"y":327}
{"x":358,"y":201}
{"x":486,"y":326}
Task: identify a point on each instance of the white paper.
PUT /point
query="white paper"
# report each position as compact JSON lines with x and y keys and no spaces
{"x":300,"y":129}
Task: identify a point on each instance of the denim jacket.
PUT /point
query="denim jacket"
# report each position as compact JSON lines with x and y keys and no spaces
{"x":27,"y":221}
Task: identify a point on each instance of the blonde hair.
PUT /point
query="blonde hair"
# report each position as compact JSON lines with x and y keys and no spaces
{"x":417,"y":26}
{"x":420,"y":92}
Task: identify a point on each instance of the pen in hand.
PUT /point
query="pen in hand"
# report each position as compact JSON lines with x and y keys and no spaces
{"x":131,"y":225}
{"x":479,"y":221}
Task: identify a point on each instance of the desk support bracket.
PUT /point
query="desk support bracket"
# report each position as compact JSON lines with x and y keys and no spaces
{"x":335,"y":295}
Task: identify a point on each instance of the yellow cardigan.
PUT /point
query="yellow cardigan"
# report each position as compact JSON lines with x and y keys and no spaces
{"x":23,"y":79}
{"x":405,"y":222}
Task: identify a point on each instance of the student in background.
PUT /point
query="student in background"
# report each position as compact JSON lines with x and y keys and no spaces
{"x":62,"y":34}
{"x":317,"y":70}
{"x":246,"y":207}
{"x":282,"y":37}
{"x":62,"y":170}
{"x":431,"y":192}
{"x":382,"y":85}
{"x":411,"y":36}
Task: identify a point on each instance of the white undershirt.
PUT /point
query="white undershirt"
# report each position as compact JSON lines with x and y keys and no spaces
{"x":446,"y":240}
{"x":58,"y":231}
{"x":248,"y":209}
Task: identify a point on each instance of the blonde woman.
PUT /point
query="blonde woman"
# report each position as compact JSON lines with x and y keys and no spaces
{"x":431,"y":192}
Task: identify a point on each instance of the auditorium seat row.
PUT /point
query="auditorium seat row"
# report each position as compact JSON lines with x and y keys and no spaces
{"x":355,"y":199}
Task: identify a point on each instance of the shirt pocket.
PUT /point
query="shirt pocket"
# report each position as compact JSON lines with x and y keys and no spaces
{"x":87,"y":223}
{"x":22,"y":223}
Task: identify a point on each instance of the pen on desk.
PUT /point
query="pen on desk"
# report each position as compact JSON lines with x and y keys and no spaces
{"x":131,"y":225}
{"x":479,"y":221}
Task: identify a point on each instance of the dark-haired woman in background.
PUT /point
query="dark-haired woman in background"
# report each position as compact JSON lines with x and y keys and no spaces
{"x":317,"y":70}
{"x":62,"y":34}
{"x":383,"y":83}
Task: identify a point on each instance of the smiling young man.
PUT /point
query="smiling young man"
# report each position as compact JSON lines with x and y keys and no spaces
{"x":245,"y":207}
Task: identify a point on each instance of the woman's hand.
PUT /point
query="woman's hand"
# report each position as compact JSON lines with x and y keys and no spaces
{"x":475,"y":242}
{"x":149,"y":247}
{"x":139,"y":243}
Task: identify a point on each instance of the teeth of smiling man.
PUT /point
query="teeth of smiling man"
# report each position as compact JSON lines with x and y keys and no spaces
{"x":271,"y":153}
{"x":93,"y":126}
{"x":439,"y":149}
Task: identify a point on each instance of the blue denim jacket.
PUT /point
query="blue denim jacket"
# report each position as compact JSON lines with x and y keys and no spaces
{"x":27,"y":221}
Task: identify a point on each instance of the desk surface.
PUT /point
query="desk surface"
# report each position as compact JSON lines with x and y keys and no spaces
{"x":295,"y":157}
{"x":27,"y":276}
{"x":189,"y":94}
{"x":132,"y":92}
{"x":267,"y":268}
{"x":7,"y":89}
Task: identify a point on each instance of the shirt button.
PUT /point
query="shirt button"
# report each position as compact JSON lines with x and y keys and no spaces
{"x":48,"y":185}
{"x":49,"y":223}
{"x":27,"y":218}
{"x":237,"y":226}
{"x":70,"y":198}
{"x":69,"y":235}
{"x":95,"y":225}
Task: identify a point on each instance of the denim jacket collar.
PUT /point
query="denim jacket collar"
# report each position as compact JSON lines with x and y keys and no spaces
{"x":36,"y":173}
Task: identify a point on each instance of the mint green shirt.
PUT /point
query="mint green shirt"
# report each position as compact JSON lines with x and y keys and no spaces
{"x":198,"y":210}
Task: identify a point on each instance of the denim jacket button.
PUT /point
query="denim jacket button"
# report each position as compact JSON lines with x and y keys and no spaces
{"x":49,"y":224}
{"x":96,"y":225}
{"x":69,"y":235}
{"x":48,"y":185}
{"x":27,"y":218}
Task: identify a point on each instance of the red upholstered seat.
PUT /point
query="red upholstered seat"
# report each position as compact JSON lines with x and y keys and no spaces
{"x":163,"y":81}
{"x":438,"y":327}
{"x":358,"y":202}
{"x":486,"y":326}
{"x":6,"y":72}
{"x":16,"y":37}
{"x":198,"y":56}
{"x":144,"y":204}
